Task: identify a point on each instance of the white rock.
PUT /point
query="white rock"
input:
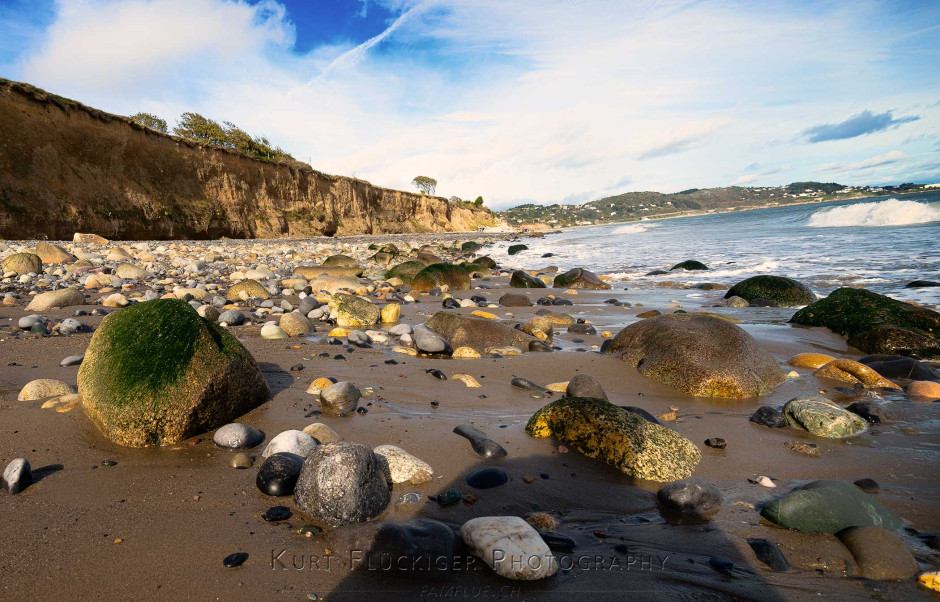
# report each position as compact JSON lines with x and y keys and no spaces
{"x":42,"y":388}
{"x":402,"y":465}
{"x":765,"y":482}
{"x":273,"y":331}
{"x":294,"y":442}
{"x":510,"y":546}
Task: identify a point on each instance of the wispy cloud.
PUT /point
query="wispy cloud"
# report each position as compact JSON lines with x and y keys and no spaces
{"x":864,"y":123}
{"x":871,"y":163}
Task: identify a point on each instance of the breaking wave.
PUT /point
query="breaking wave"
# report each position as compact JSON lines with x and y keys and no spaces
{"x":890,"y":212}
{"x":633,"y":228}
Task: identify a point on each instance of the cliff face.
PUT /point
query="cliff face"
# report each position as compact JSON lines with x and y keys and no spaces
{"x":68,"y":168}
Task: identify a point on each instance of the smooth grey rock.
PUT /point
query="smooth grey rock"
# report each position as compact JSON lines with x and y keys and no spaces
{"x":510,"y":546}
{"x":232,"y":317}
{"x":429,"y":341}
{"x":585,"y":385}
{"x":691,"y":495}
{"x":294,"y":442}
{"x":72,"y":360}
{"x":340,"y":398}
{"x":400,"y":329}
{"x":71,"y":326}
{"x":17,"y":476}
{"x":237,"y":436}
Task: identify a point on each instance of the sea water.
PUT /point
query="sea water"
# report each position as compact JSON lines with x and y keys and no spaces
{"x":880,"y":244}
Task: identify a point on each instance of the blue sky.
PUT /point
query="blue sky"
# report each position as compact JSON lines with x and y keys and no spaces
{"x":524,"y":101}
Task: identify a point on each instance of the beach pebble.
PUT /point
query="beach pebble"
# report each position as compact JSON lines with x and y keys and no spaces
{"x":769,"y":553}
{"x":510,"y":546}
{"x":241,"y":461}
{"x":868,"y":485}
{"x":403,"y":466}
{"x":42,"y":388}
{"x":769,"y":416}
{"x":294,"y":442}
{"x":400,"y":329}
{"x":871,"y":411}
{"x":278,"y":474}
{"x":322,"y":433}
{"x":232,"y":317}
{"x":234,"y":560}
{"x":585,"y":385}
{"x":27,"y":322}
{"x":693,"y":495}
{"x":527,"y":385}
{"x":429,"y":341}
{"x":17,"y":476}
{"x":925,"y":389}
{"x":273,"y":331}
{"x":72,"y":360}
{"x":71,"y":326}
{"x":465,"y":353}
{"x":340,"y":398}
{"x":237,"y":436}
{"x":803,"y":448}
{"x":765,"y":482}
{"x":880,"y":554}
{"x":487,"y":478}
{"x":295,"y":324}
{"x":449,"y":497}
{"x":467,"y":380}
{"x":481,"y":444}
{"x":276,"y":514}
{"x":716,"y":443}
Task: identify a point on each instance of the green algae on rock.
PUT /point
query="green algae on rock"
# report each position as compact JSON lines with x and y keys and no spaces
{"x":22,"y":263}
{"x":521,"y":279}
{"x":828,"y":507}
{"x":405,"y":271}
{"x":441,"y":274}
{"x":785,"y":292}
{"x":354,"y":311}
{"x":632,"y":445}
{"x":156,"y":373}
{"x":822,"y":418}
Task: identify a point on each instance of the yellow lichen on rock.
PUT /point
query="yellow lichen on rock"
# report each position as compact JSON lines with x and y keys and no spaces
{"x":813,"y":361}
{"x":854,"y":372}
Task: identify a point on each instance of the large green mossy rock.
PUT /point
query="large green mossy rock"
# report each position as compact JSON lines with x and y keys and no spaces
{"x":822,"y":418}
{"x":354,"y":311}
{"x":341,"y":261}
{"x":252,"y":288}
{"x":875,"y":323}
{"x":580,"y":278}
{"x":406,"y":271}
{"x":156,"y":373}
{"x":22,"y":263}
{"x":698,"y":354}
{"x":632,"y":445}
{"x":828,"y":507}
{"x":442,"y":274}
{"x":475,"y":268}
{"x":521,"y":279}
{"x":478,"y":333}
{"x":785,"y":292}
{"x":485,"y":261}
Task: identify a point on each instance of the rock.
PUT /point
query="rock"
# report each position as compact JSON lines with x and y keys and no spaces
{"x":237,"y":436}
{"x":467,"y":353}
{"x":782,"y":292}
{"x":208,"y":312}
{"x":875,"y":323}
{"x":803,"y":448}
{"x":273,"y":332}
{"x":481,"y":444}
{"x":354,"y":311}
{"x":828,"y":507}
{"x":295,"y":324}
{"x":693,"y":496}
{"x":477,"y":333}
{"x":129,"y":271}
{"x":582,"y":329}
{"x":527,"y":385}
{"x":868,"y":485}
{"x":699,"y":355}
{"x":649,"y":314}
{"x":65,"y":297}
{"x":487,"y":478}
{"x":854,"y":372}
{"x":716,"y":443}
{"x":341,"y":261}
{"x":402,"y":466}
{"x":391,"y":313}
{"x":769,"y":416}
{"x":340,"y":398}
{"x":429,"y":341}
{"x":22,"y":263}
{"x":278,"y":474}
{"x":468,"y":380}
{"x":322,"y":433}
{"x":293,"y":442}
{"x":585,"y":385}
{"x":342,"y":483}
{"x":510,"y":546}
{"x":813,"y":361}
{"x":540,"y":327}
{"x":580,"y":278}
{"x":930,"y":580}
{"x":513,"y":249}
{"x":422,"y":546}
{"x":441,"y":274}
{"x":769,"y":553}
{"x":914,"y":284}
{"x":642,"y":414}
{"x":232,"y":317}
{"x":690,"y":264}
{"x":72,"y":360}
{"x":765,"y":482}
{"x":486,"y":261}
{"x":241,"y":461}
{"x":406,"y":271}
{"x":92,"y":238}
{"x":599,"y":429}
{"x":247,"y":289}
{"x":822,"y":418}
{"x":114,"y":300}
{"x":17,"y":476}
{"x":449,"y":498}
{"x":50,"y":253}
{"x":925,"y":389}
{"x":42,"y":388}
{"x":521,"y":279}
{"x":899,"y":367}
{"x":515,"y":300}
{"x":871,"y":411}
{"x":880,"y":554}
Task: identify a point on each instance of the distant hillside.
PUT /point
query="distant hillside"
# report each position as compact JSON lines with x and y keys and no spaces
{"x":638,"y":205}
{"x":65,"y":167}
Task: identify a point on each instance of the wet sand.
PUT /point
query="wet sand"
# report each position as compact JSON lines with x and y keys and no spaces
{"x":179,"y":511}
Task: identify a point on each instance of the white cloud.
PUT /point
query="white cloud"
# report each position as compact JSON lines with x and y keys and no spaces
{"x":880,"y":161}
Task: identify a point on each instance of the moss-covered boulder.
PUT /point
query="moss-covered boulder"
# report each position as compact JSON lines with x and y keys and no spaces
{"x":699,"y":355}
{"x":828,"y":507}
{"x":479,"y":334}
{"x":691,"y":265}
{"x":521,"y":279}
{"x":875,"y":323}
{"x":580,"y":278}
{"x":314,"y":271}
{"x":251,"y":288}
{"x":354,"y":311}
{"x":784,"y":292}
{"x":441,"y":274}
{"x":157,"y":372}
{"x":513,"y":249}
{"x":476,"y":269}
{"x":470,"y":247}
{"x":406,"y":271}
{"x":428,"y":258}
{"x":632,"y":445}
{"x":22,"y":263}
{"x":487,"y":261}
{"x":822,"y":418}
{"x":341,"y":261}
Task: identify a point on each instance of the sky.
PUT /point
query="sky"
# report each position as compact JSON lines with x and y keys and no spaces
{"x":520,"y":101}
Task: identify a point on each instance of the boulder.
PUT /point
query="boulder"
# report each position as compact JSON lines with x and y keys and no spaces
{"x":334,"y":284}
{"x":693,"y":496}
{"x":402,"y":466}
{"x":580,"y":278}
{"x":50,"y":253}
{"x":406,"y":271}
{"x":311,"y":272}
{"x":342,"y":261}
{"x":514,"y":249}
{"x":354,"y":311}
{"x":875,"y":323}
{"x":237,"y":436}
{"x":292,"y":443}
{"x":926,"y":389}
{"x":851,"y":372}
{"x":880,"y":554}
{"x":22,"y":263}
{"x":585,"y":385}
{"x":441,"y":274}
{"x":515,"y":300}
{"x":599,"y":429}
{"x":129,"y":271}
{"x":486,"y":261}
{"x":64,"y":297}
{"x":251,"y":288}
{"x":343,"y":483}
{"x":510,"y":546}
{"x":92,"y":238}
{"x":41,"y":388}
{"x":822,"y":418}
{"x":828,"y":507}
{"x":521,"y":279}
{"x":783,"y":292}
{"x":232,"y":317}
{"x":540,"y":327}
{"x":813,"y":361}
{"x":477,"y":333}
{"x":899,"y":367}
{"x":691,"y":265}
{"x":156,"y":373}
{"x":340,"y":398}
{"x":295,"y":324}
{"x":700,"y":355}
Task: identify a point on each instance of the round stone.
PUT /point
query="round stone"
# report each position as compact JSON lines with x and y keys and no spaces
{"x":487,"y":478}
{"x":237,"y":436}
{"x":278,"y":474}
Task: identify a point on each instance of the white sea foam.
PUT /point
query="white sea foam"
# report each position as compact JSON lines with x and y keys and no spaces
{"x":890,"y":212}
{"x":633,"y":228}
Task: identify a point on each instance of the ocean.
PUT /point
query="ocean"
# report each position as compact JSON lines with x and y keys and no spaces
{"x":880,"y":244}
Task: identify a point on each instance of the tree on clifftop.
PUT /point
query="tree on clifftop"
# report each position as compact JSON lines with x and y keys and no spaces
{"x":424,"y":184}
{"x":196,"y":127}
{"x":150,"y":120}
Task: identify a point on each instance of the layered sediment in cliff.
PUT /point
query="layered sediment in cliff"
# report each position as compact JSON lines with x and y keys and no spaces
{"x":65,"y":167}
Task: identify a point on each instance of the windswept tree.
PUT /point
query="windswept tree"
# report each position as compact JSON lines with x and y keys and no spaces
{"x":479,"y":201}
{"x":194,"y":126}
{"x":151,"y":121}
{"x":424,"y":184}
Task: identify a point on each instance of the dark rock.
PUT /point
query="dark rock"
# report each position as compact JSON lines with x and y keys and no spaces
{"x":539,"y":346}
{"x":477,"y":333}
{"x":527,"y":385}
{"x":721,"y":563}
{"x":871,"y":411}
{"x":643,"y":414}
{"x":487,"y":478}
{"x":557,"y":542}
{"x":769,"y":416}
{"x":690,"y":264}
{"x":657,"y":273}
{"x":486,"y":261}
{"x":17,"y":476}
{"x":922,"y":284}
{"x":586,"y":329}
{"x":580,"y":278}
{"x":343,"y":483}
{"x":784,"y":292}
{"x":440,"y":274}
{"x":513,"y":249}
{"x":716,"y":442}
{"x":277,"y":513}
{"x":428,"y":341}
{"x":278,"y":474}
{"x":868,"y":485}
{"x":521,"y":279}
{"x":406,"y":271}
{"x":436,"y":374}
{"x":449,"y":497}
{"x":234,"y":560}
{"x":481,"y":444}
{"x":880,"y":554}
{"x":828,"y":507}
{"x":769,"y":553}
{"x":893,"y":339}
{"x":585,"y":385}
{"x":761,"y":302}
{"x":450,"y":303}
{"x":900,"y":367}
{"x":515,"y":300}
{"x":693,"y":496}
{"x":421,"y":546}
